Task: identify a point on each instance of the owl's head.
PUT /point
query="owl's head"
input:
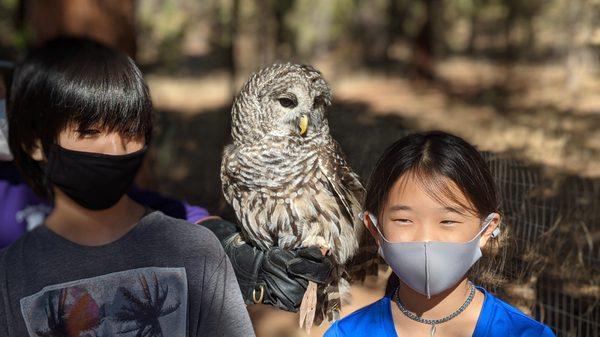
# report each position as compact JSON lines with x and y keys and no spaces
{"x":282,"y":99}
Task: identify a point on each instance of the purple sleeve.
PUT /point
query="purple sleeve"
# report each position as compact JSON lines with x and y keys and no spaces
{"x":171,"y":207}
{"x":195,"y":213}
{"x":20,"y":209}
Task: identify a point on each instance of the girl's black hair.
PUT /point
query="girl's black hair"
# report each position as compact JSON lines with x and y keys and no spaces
{"x":432,"y":158}
{"x":73,"y":82}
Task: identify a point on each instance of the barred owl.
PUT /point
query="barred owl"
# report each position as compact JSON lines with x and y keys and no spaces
{"x":288,"y":180}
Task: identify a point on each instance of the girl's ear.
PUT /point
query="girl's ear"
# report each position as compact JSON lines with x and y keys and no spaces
{"x":487,"y":234}
{"x":367,"y":220}
{"x":36,"y":153}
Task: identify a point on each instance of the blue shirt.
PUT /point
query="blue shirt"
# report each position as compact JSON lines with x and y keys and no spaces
{"x":497,"y":318}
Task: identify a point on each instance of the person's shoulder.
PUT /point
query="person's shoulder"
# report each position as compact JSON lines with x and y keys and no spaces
{"x":19,"y":245}
{"x":185,"y":237}
{"x":13,"y":254}
{"x":3,"y":253}
{"x":362,"y":322}
{"x":507,"y":317}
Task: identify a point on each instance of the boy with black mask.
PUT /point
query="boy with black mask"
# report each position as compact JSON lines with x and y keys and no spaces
{"x":80,"y":122}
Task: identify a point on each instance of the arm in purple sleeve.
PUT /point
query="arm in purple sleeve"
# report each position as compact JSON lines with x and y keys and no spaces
{"x":171,"y":207}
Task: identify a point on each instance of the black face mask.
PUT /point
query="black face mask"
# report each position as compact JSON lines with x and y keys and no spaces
{"x":95,"y":181}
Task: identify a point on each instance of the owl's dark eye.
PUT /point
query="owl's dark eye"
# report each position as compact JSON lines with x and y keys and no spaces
{"x":319,"y":102}
{"x":287,"y":102}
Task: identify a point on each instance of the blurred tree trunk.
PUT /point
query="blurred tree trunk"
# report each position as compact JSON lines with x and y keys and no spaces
{"x":509,"y":22}
{"x":309,"y":29}
{"x":322,"y":22}
{"x":255,"y":38}
{"x":261,"y":32}
{"x":426,"y":47}
{"x":108,"y":21}
{"x":224,"y":23}
{"x":373,"y":32}
{"x":233,"y":31}
{"x":474,"y":27}
{"x":581,"y":60}
{"x":396,"y":14}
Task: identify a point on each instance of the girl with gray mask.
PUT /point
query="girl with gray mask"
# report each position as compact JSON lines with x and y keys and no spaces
{"x":433,"y":208}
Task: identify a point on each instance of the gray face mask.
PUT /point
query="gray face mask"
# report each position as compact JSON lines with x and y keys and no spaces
{"x":431,"y":267}
{"x":4,"y":150}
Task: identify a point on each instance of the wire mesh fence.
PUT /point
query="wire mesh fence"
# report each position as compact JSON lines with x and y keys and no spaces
{"x":553,"y":220}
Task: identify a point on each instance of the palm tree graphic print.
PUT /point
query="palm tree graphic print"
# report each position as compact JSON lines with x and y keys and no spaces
{"x":144,"y":312}
{"x":145,"y":302}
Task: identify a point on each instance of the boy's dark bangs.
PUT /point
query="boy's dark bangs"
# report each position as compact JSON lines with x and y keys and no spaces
{"x":104,"y":100}
{"x":117,"y":109}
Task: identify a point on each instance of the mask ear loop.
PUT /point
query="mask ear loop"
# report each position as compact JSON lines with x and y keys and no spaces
{"x":361,"y":216}
{"x":496,"y":232}
{"x":486,"y":223}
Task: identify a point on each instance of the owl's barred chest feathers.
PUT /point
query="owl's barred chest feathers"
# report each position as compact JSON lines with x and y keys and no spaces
{"x":282,"y":196}
{"x":277,"y":163}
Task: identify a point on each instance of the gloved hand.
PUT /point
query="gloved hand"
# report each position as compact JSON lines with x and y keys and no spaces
{"x":277,"y":277}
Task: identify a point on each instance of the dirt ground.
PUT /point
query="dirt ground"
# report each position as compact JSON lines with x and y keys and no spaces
{"x":526,"y":110}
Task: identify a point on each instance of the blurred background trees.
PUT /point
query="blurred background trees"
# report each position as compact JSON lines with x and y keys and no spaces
{"x":391,"y":35}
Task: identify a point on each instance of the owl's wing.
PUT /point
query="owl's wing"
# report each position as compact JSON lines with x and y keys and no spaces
{"x":342,"y":180}
{"x":228,"y":168}
{"x":244,"y":205}
{"x":351,"y":193}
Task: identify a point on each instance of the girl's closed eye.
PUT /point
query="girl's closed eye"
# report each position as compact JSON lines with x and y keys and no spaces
{"x":448,"y":223}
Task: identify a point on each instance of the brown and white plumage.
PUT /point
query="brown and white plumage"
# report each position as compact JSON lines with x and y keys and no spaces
{"x":289,"y":183}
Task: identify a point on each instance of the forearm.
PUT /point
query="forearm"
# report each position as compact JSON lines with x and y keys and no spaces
{"x":244,"y":258}
{"x":227,"y":313}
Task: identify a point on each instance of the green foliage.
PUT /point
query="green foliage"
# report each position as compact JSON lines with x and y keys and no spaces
{"x":11,"y":37}
{"x":9,"y":5}
{"x":312,"y":24}
{"x":162,"y":25}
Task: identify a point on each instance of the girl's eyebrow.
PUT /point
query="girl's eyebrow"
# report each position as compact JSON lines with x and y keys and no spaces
{"x":400,"y":208}
{"x":454,"y":210}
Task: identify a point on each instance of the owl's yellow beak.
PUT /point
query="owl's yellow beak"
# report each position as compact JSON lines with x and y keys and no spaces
{"x":303,"y":125}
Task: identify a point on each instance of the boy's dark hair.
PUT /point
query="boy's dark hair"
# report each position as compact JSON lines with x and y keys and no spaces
{"x":73,"y":82}
{"x":432,"y":158}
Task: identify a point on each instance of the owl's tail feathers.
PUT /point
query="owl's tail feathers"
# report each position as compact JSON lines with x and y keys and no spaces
{"x":359,"y":272}
{"x":366,"y":262}
{"x":330,"y":299}
{"x":336,"y":296}
{"x":308,"y":307}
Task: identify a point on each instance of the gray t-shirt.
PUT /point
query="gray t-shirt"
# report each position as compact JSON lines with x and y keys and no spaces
{"x":165,"y":277}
